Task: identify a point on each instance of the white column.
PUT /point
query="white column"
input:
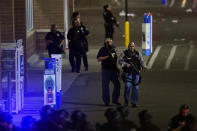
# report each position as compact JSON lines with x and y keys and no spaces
{"x":66,"y":20}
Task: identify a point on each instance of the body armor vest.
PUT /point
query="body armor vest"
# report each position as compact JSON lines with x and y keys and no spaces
{"x":133,"y":59}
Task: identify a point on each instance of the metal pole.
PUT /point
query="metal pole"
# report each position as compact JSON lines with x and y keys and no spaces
{"x":126,"y":25}
{"x":66,"y":20}
{"x":73,"y":5}
{"x":9,"y":93}
{"x":126,"y":10}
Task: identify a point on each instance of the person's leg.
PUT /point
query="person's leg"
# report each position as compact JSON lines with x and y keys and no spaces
{"x":116,"y":90}
{"x":134,"y":95}
{"x":105,"y":86}
{"x":106,"y":31}
{"x":128,"y":84}
{"x":85,"y":60}
{"x":72,"y":60}
{"x":78,"y":62}
{"x":111,"y":32}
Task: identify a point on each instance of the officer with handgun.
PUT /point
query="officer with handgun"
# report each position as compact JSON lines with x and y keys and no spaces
{"x":132,"y":63}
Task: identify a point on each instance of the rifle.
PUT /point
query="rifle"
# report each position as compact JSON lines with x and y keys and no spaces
{"x":136,"y":70}
{"x":133,"y":66}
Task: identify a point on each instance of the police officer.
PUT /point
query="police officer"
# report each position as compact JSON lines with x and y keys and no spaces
{"x":54,"y":41}
{"x":132,"y":63}
{"x":76,"y":36}
{"x":108,"y":57}
{"x":85,"y":34}
{"x":181,"y":121}
{"x":110,"y":21}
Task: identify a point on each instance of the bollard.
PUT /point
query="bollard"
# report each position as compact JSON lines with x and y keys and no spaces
{"x":50,"y":82}
{"x":147,"y":34}
{"x":126,"y":34}
{"x":58,"y":59}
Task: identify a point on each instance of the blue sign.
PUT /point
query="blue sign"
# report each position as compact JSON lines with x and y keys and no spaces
{"x":147,"y":34}
{"x":164,"y":2}
{"x":147,"y":17}
{"x":49,"y":83}
{"x":49,"y":90}
{"x":50,"y":63}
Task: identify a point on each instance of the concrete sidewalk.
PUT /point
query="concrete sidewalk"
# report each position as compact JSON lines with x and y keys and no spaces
{"x":34,"y":95}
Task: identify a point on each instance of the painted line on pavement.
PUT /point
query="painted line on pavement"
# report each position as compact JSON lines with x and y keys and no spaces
{"x":171,"y":56}
{"x":188,"y":57}
{"x":154,"y":56}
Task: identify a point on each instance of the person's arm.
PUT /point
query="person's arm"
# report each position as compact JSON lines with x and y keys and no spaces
{"x":69,"y":34}
{"x":102,"y":55}
{"x":102,"y":58}
{"x":88,"y":36}
{"x":86,"y":32}
{"x":181,"y":125}
{"x":48,"y":40}
{"x":113,"y":18}
{"x":122,"y":62}
{"x":143,"y":65}
{"x":62,"y":43}
{"x":62,"y":38}
{"x":173,"y":126}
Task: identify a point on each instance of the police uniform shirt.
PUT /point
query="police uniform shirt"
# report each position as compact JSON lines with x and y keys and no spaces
{"x":109,"y":63}
{"x":77,"y":37}
{"x":56,"y":39}
{"x":83,"y":33}
{"x":109,"y":18}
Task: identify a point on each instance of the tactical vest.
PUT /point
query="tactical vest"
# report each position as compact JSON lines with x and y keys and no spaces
{"x":133,"y":59}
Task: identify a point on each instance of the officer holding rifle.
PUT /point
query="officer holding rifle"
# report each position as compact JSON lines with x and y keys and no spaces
{"x":132,"y":63}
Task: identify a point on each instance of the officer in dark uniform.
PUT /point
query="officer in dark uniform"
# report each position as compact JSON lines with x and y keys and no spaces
{"x":76,"y":36}
{"x":132,"y":63}
{"x":110,"y":21}
{"x":181,"y":121}
{"x":85,"y":34}
{"x":108,"y":57}
{"x":54,"y":41}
